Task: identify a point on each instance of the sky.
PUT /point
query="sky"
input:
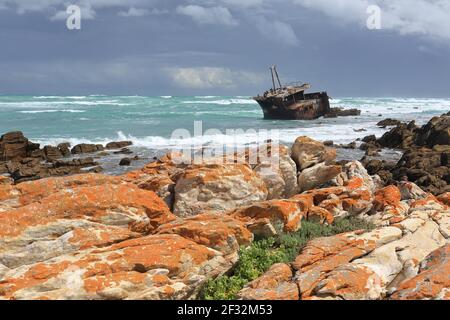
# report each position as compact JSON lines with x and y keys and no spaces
{"x":225,"y":47}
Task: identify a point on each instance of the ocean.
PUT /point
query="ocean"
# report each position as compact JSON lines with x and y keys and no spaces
{"x":150,"y":121}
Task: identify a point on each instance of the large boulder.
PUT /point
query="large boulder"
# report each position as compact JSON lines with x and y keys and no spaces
{"x":435,"y":132}
{"x":307,"y":152}
{"x":87,"y":148}
{"x":354,"y":198}
{"x":47,"y":228}
{"x":118,"y":145}
{"x":402,"y":136}
{"x":13,"y":145}
{"x":269,"y":218}
{"x":355,"y":169}
{"x":389,"y":123}
{"x":427,"y":168}
{"x":389,"y":196}
{"x":217,"y":188}
{"x":278,"y":171}
{"x":64,"y":147}
{"x":341,"y":112}
{"x":219,"y":232}
{"x":52,"y":153}
{"x":159,"y":176}
{"x":317,"y":176}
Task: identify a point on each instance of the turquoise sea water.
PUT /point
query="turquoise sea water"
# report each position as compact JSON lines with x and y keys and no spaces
{"x":150,"y":121}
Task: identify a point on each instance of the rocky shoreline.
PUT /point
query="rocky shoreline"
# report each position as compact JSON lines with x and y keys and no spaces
{"x":24,"y":160}
{"x":167,"y":230}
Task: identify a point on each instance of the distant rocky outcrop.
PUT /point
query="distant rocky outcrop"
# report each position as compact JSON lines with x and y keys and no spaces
{"x":426,"y":158}
{"x":389,"y":123}
{"x":340,"y":112}
{"x":24,"y":160}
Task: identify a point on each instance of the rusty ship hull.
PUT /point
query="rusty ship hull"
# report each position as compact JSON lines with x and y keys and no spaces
{"x":305,"y":107}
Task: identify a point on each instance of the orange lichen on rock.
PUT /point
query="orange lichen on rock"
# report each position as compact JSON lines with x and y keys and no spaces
{"x":34,"y":276}
{"x":6,"y":194}
{"x":102,"y":282}
{"x":123,"y":204}
{"x":433,"y":280}
{"x":324,"y":255}
{"x":321,"y":248}
{"x":351,"y":199}
{"x":319,"y":195}
{"x":305,"y":201}
{"x":283,"y":214}
{"x":354,"y":183}
{"x":159,"y":176}
{"x":99,"y":236}
{"x":33,"y":191}
{"x":120,"y":266}
{"x":275,"y":284}
{"x":219,"y":232}
{"x":161,"y":251}
{"x":387,"y":197}
{"x":350,"y":282}
{"x":430,"y":200}
{"x":320,"y":215}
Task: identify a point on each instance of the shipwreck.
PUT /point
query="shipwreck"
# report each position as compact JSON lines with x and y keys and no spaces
{"x":290,"y":102}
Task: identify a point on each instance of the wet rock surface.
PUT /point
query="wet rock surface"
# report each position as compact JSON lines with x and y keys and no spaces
{"x":24,"y":160}
{"x":425,"y":160}
{"x":340,"y":112}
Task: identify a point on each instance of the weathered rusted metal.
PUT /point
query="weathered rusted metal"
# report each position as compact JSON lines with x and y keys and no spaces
{"x":291,"y":103}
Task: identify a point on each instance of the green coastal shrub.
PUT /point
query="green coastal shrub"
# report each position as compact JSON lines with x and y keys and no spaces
{"x":262,"y":254}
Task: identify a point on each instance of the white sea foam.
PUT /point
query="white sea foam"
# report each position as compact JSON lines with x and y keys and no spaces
{"x":342,"y":133}
{"x":47,"y":97}
{"x":338,"y":133}
{"x":40,"y":104}
{"x":392,"y":106}
{"x":52,"y":111}
{"x":60,"y":97}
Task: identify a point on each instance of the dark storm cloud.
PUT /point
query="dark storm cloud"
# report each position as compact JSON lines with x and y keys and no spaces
{"x":224,"y":47}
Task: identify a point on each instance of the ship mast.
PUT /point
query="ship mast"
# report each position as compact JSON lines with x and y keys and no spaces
{"x":274,"y":73}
